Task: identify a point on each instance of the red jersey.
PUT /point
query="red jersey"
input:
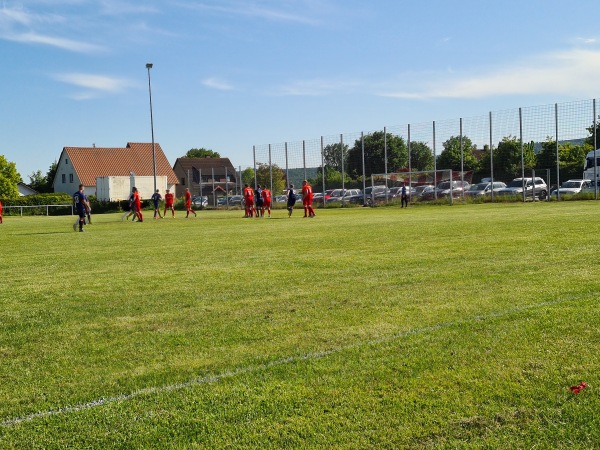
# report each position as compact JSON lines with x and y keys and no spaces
{"x":249,"y":193}
{"x":266,"y":195}
{"x":0,"y":207}
{"x":136,"y":201}
{"x":169,"y":199}
{"x":307,"y":193}
{"x":188,"y":197}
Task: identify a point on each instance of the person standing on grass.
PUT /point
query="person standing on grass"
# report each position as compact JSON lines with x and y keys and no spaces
{"x":403,"y":197}
{"x":248,"y":200}
{"x":1,"y":220}
{"x":129,"y":211}
{"x":81,"y":204}
{"x":307,"y":199}
{"x":169,"y":199}
{"x":291,"y":200}
{"x":188,"y":203}
{"x":266,"y":195}
{"x":258,"y":201}
{"x":156,"y":197}
{"x":137,"y":204}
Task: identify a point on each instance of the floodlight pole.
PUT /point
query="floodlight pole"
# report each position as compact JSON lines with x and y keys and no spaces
{"x":149,"y":66}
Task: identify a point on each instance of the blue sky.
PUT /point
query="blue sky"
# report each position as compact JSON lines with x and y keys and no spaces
{"x":230,"y":74}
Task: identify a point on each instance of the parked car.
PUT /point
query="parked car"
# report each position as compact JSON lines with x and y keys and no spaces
{"x":397,"y":191}
{"x":573,"y":187}
{"x":342,"y":195}
{"x":516,"y":187}
{"x":445,"y":189}
{"x":371,"y":195}
{"x":485,"y":188}
{"x":235,"y":200}
{"x":201,"y":201}
{"x":422,"y":188}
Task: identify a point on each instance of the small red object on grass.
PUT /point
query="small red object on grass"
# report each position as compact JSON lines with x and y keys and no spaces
{"x":578,"y":388}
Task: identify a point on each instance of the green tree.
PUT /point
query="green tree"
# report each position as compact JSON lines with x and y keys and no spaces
{"x":333,"y":179}
{"x":248,"y":176}
{"x":590,"y":139}
{"x":201,"y":153}
{"x":263,"y":177}
{"x":450,"y":157}
{"x":43,"y":183}
{"x":397,"y":155}
{"x":421,"y":156}
{"x":570,"y":157}
{"x":333,"y":156}
{"x":38,"y":181}
{"x":507,"y":158}
{"x":9,"y":178}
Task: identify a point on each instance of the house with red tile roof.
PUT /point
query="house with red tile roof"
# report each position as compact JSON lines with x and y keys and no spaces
{"x":82,"y":165}
{"x":204,"y":176}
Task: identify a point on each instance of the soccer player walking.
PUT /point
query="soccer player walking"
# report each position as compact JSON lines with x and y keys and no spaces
{"x":1,"y":220}
{"x":169,"y":199}
{"x":248,"y":200}
{"x":81,"y":204}
{"x":266,"y":196}
{"x":307,"y":199}
{"x":291,"y":200}
{"x":137,"y":204}
{"x":188,"y":203}
{"x":156,"y":197}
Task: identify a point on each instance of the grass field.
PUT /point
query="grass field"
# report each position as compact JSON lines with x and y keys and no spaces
{"x":431,"y":327}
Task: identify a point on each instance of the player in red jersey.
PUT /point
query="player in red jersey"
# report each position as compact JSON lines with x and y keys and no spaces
{"x":1,"y":220}
{"x":137,"y":204}
{"x":169,"y":199}
{"x":188,"y":203}
{"x":248,"y":200}
{"x":307,"y":199}
{"x":266,"y":196}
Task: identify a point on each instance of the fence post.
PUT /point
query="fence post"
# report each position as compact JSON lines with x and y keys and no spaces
{"x":557,"y":157}
{"x":362,"y":144}
{"x":342,"y":150}
{"x":595,"y":146}
{"x":491,"y":155}
{"x":287,"y":171}
{"x":254,"y":162}
{"x":522,"y":151}
{"x":385,"y":163}
{"x":409,"y":166}
{"x":434,"y":165}
{"x":270,"y":170}
{"x":323,"y":169}
{"x":304,"y":158}
{"x":462,"y":163}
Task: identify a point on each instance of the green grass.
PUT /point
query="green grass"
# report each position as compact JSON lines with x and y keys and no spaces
{"x":431,"y":327}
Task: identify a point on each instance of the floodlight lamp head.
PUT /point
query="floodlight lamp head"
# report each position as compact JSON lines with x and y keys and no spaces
{"x":149,"y":66}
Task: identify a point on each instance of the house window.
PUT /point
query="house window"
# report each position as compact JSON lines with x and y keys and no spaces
{"x":183,"y":181}
{"x":66,"y":161}
{"x":64,"y":178}
{"x":70,"y":178}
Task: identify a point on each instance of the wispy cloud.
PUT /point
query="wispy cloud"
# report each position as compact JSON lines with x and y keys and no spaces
{"x":297,"y":12}
{"x":62,"y":43}
{"x":318,"y":87}
{"x":567,"y":72}
{"x":215,"y":83}
{"x":98,"y":83}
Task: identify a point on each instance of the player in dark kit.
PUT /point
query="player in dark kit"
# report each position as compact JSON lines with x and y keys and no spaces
{"x":156,"y":197}
{"x":81,"y":204}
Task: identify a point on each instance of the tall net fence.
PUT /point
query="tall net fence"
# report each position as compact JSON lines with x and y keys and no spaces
{"x":548,"y":141}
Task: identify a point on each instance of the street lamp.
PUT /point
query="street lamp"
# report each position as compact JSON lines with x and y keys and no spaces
{"x":149,"y":66}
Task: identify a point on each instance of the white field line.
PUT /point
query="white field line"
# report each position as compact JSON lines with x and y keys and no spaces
{"x":210,"y":379}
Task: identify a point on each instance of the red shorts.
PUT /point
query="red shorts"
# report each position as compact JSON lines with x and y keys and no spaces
{"x":249,"y":202}
{"x":267,"y":203}
{"x":307,"y":202}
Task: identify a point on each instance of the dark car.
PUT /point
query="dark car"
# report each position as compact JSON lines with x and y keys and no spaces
{"x":200,"y":201}
{"x":444,"y":189}
{"x":372,"y":195}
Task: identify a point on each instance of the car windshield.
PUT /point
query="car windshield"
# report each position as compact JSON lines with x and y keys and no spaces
{"x":478,"y":187}
{"x":444,"y":185}
{"x":515,"y":183}
{"x":571,"y":184}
